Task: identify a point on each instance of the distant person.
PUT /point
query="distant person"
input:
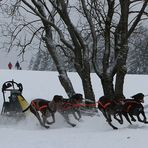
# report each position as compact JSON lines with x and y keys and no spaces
{"x":17,"y":66}
{"x":10,"y":65}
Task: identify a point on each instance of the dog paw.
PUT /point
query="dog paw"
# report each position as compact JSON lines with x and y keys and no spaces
{"x":49,"y":123}
{"x":121,"y":122}
{"x":73,"y":125}
{"x":134,"y":120}
{"x":146,"y":122}
{"x":115,"y":128}
{"x":47,"y":126}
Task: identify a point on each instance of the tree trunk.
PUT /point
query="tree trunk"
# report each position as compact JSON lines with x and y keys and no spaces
{"x":87,"y":87}
{"x":120,"y":83}
{"x":66,"y":83}
{"x":108,"y":87}
{"x":63,"y":77}
{"x":84,"y":74}
{"x":122,"y":46}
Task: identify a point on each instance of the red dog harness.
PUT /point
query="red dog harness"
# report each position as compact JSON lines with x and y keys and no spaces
{"x":104,"y":105}
{"x":38,"y":107}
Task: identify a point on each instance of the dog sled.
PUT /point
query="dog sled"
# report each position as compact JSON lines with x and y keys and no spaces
{"x":14,"y":103}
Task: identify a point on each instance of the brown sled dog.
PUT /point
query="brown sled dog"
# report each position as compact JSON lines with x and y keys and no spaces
{"x":134,"y":107}
{"x":71,"y":106}
{"x":46,"y":108}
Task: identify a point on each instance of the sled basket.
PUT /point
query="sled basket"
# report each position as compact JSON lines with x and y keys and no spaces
{"x":14,"y":102}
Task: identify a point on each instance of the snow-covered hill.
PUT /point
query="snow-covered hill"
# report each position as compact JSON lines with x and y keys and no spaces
{"x":90,"y":132}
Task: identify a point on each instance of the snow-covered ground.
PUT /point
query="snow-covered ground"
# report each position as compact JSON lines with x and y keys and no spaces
{"x":90,"y":132}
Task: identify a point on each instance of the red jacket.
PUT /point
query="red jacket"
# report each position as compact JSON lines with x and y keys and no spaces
{"x":10,"y":65}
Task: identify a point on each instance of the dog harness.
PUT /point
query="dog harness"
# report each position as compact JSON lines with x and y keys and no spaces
{"x":104,"y":105}
{"x":45,"y":105}
{"x":130,"y":104}
{"x":128,"y":108}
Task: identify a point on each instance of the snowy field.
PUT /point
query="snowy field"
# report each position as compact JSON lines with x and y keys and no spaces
{"x":90,"y":132}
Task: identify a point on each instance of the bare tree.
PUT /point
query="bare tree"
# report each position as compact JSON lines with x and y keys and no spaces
{"x":89,"y":32}
{"x":116,"y":27}
{"x":60,"y":32}
{"x":125,"y":30}
{"x":78,"y":46}
{"x":39,"y":27}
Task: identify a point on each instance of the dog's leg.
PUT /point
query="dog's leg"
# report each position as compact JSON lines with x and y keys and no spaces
{"x":74,"y":114}
{"x":78,"y":113}
{"x":105,"y":114}
{"x":139,"y":119}
{"x":47,"y":113}
{"x":45,"y":120}
{"x":119,"y":120}
{"x":126,"y":117}
{"x":53,"y":118}
{"x":65,"y":115}
{"x":109,"y":121}
{"x":137,"y":112}
{"x":114,"y":127}
{"x":108,"y":118}
{"x":35,"y":112}
{"x":132,"y":118}
{"x":144,"y":116}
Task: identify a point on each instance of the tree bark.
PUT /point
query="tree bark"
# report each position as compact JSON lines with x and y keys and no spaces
{"x":63,"y":77}
{"x":121,"y":48}
{"x":108,"y":87}
{"x":80,"y":50}
{"x":84,"y":73}
{"x":120,"y":83}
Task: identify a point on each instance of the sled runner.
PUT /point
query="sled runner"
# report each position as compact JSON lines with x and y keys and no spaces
{"x":14,"y":103}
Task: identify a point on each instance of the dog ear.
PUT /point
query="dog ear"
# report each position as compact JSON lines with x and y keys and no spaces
{"x":57,"y":98}
{"x":77,"y":96}
{"x":138,"y":96}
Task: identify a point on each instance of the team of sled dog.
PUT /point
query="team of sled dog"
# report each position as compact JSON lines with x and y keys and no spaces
{"x":117,"y":108}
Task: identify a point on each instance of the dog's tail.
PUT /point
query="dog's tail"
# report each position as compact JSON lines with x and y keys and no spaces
{"x":26,"y":109}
